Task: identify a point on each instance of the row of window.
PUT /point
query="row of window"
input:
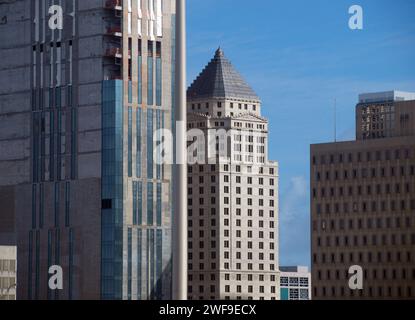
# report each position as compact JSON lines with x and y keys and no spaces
{"x":374,"y":239}
{"x":238,"y":201}
{"x":249,"y":234}
{"x":370,"y":206}
{"x":226,"y":211}
{"x":368,"y":257}
{"x":38,"y":204}
{"x":58,"y":97}
{"x":7,"y":282}
{"x":226,"y":234}
{"x":229,"y":298}
{"x":373,"y":274}
{"x":202,"y":168}
{"x":359,"y":224}
{"x":379,"y":155}
{"x":238,"y":223}
{"x":226,"y":190}
{"x":239,"y":277}
{"x":237,"y":147}
{"x":384,"y":291}
{"x":294,"y":281}
{"x":364,"y":173}
{"x":227,"y":256}
{"x":298,"y":294}
{"x":249,"y":244}
{"x":249,"y":180}
{"x":7,"y":265}
{"x":249,"y":266}
{"x":52,"y":140}
{"x":219,"y":104}
{"x":359,"y":190}
{"x":238,"y":289}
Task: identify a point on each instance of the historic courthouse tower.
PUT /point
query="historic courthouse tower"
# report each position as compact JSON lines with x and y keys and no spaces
{"x":233,"y":194}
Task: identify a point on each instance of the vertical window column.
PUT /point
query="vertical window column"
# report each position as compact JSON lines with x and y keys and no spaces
{"x":139,"y":258}
{"x":159,"y":263}
{"x":140,"y":204}
{"x":49,"y":262}
{"x":129,"y":263}
{"x":158,"y":74}
{"x":150,"y":133}
{"x":140,"y":75}
{"x":57,"y":254}
{"x":150,"y":213}
{"x":158,"y":127}
{"x":150,"y":78}
{"x":130,"y":142}
{"x":37,"y":265}
{"x":138,"y":143}
{"x":67,"y":203}
{"x":135,"y":198}
{"x":56,"y":207}
{"x":159,"y":205}
{"x":29,"y":264}
{"x":71,"y":264}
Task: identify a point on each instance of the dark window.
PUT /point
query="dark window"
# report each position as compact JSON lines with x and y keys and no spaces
{"x":106,"y":203}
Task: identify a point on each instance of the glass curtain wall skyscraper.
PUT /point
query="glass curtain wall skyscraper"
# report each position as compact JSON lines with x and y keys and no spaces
{"x":81,"y":108}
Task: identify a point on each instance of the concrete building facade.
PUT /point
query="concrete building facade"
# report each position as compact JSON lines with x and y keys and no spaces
{"x":78,"y":110}
{"x":8,"y":273}
{"x":295,"y":283}
{"x":232,"y":190}
{"x":363,"y":204}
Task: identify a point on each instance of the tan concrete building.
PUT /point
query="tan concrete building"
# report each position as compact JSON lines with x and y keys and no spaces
{"x":8,"y":272}
{"x":363,"y":203}
{"x":232,"y":190}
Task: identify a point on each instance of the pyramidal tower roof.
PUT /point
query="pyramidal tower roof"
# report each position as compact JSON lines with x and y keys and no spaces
{"x":219,"y":79}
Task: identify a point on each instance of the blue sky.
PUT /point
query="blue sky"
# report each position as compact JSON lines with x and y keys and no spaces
{"x":299,"y":56}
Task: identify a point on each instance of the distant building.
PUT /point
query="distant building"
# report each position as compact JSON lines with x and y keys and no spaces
{"x":295,"y":283}
{"x":8,"y":273}
{"x":363,"y":203}
{"x":233,"y":195}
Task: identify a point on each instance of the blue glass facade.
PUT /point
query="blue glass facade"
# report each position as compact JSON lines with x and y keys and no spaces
{"x":129,"y":263}
{"x":130,"y":141}
{"x":150,"y":213}
{"x":158,"y":155}
{"x":112,"y":190}
{"x":150,"y":79}
{"x":139,"y":262}
{"x":158,"y":81}
{"x":135,"y":225}
{"x":140,"y":204}
{"x":150,"y":133}
{"x":140,"y":80}
{"x":138,"y":146}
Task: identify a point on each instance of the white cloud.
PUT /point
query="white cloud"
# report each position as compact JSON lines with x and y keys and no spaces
{"x":294,"y":200}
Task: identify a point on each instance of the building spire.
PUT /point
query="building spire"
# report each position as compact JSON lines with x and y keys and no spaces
{"x":219,"y":53}
{"x":219,"y":79}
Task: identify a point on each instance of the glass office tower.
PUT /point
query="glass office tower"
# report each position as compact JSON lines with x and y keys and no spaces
{"x":81,"y":108}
